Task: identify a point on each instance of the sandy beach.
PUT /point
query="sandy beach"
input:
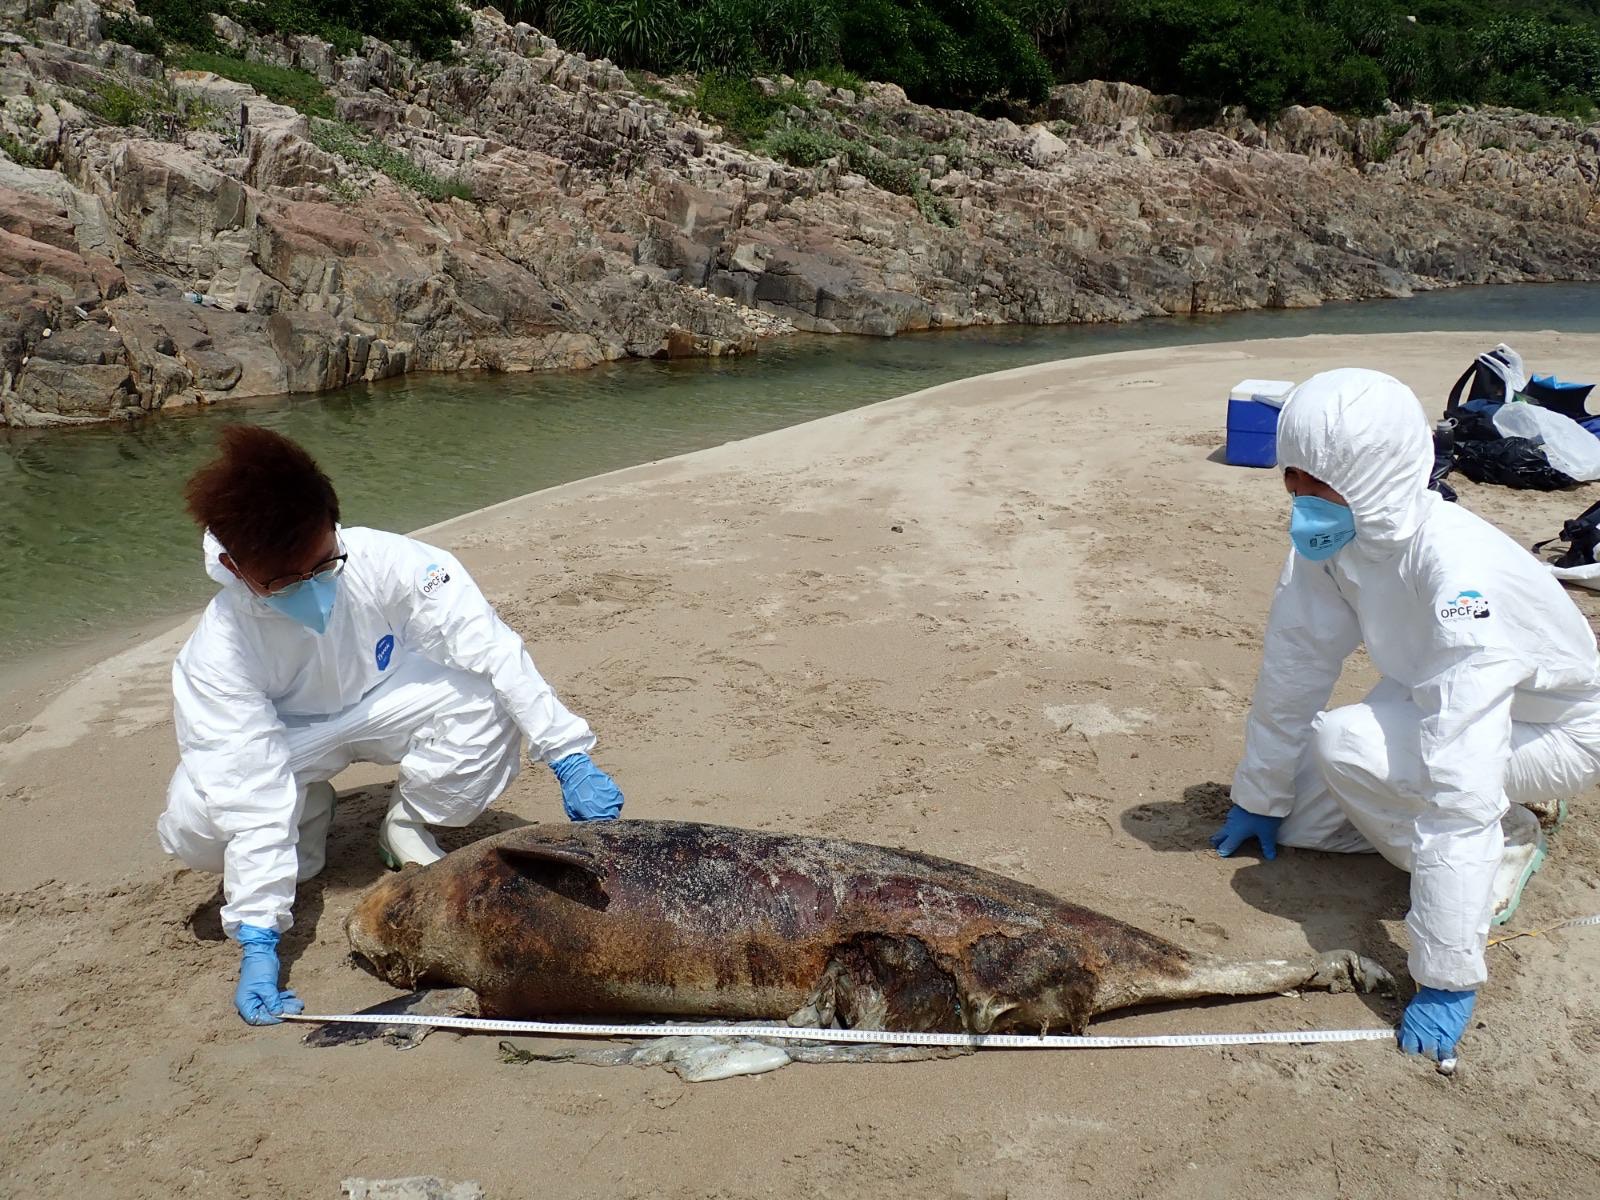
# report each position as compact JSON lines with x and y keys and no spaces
{"x":1013,"y":620}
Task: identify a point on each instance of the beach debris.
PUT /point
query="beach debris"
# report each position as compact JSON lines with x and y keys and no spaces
{"x":412,"y":1187}
{"x":704,"y":1059}
{"x":673,"y":919}
{"x":434,"y":1002}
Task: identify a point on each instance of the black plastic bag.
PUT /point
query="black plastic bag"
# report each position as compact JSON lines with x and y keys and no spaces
{"x":1582,"y":535}
{"x":1476,"y":423}
{"x":1512,"y":461}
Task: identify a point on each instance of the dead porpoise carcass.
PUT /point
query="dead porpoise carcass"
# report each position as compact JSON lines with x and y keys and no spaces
{"x":672,"y":919}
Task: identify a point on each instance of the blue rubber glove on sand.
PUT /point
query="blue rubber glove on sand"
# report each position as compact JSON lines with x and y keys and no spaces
{"x":258,"y":998}
{"x":1434,"y":1022}
{"x":1240,"y":826}
{"x":587,"y":792}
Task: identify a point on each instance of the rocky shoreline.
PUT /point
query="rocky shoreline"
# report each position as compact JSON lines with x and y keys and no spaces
{"x":517,"y":208}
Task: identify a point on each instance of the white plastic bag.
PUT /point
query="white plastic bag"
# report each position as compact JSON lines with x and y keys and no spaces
{"x":1571,"y":448}
{"x":1506,"y":363}
{"x":1585,"y":576}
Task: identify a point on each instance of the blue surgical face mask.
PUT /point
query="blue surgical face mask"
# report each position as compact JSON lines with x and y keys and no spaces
{"x":310,"y":601}
{"x":1320,"y":528}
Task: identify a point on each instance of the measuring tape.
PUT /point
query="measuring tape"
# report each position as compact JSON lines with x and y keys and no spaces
{"x":1575,"y":921}
{"x":874,"y":1037}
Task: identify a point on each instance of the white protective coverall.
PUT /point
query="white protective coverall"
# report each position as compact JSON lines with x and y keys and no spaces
{"x":415,"y":668}
{"x":1491,"y":684}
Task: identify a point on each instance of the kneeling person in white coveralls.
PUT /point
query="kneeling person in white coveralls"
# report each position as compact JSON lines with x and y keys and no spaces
{"x":328,"y":646}
{"x":1487,"y":718}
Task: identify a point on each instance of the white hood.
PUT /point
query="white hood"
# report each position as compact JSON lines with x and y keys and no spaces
{"x":1364,"y":434}
{"x":214,"y":550}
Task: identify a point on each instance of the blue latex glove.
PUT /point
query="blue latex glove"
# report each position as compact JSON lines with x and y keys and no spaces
{"x":258,"y":999}
{"x":1240,"y":826}
{"x":587,"y":792}
{"x":1434,"y":1022}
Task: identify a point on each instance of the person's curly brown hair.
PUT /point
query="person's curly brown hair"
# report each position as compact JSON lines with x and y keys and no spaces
{"x":264,"y":498}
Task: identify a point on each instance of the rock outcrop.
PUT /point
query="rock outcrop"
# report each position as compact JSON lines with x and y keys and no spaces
{"x":520,"y":208}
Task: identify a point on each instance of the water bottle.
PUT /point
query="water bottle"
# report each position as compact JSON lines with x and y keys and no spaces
{"x":1444,"y":457}
{"x":1444,"y":439}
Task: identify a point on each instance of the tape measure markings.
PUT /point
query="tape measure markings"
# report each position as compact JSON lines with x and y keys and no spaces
{"x":879,"y":1037}
{"x":1568,"y":924}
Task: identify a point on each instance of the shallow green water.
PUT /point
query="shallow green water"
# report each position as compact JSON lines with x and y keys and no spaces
{"x":93,"y":536}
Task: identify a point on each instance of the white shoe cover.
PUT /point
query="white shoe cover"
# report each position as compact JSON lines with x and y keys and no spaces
{"x":403,"y":838}
{"x":1525,"y":848}
{"x":1552,"y":814}
{"x":316,"y":816}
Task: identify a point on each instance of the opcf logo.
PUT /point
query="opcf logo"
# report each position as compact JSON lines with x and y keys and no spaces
{"x":1468,"y":606}
{"x":434,"y":578}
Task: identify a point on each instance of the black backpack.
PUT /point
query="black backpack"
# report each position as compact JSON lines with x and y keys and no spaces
{"x":1582,"y":535}
{"x":1496,"y":376}
{"x":1470,"y":410}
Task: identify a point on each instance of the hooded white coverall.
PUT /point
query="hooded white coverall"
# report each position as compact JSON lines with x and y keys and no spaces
{"x":1490,"y":690}
{"x":414,"y":668}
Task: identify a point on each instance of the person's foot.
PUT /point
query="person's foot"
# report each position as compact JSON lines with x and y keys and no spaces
{"x":316,"y":816}
{"x":405,"y":838}
{"x":1524,"y":855}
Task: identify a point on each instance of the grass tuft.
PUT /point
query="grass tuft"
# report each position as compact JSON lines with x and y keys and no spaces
{"x":351,"y":145}
{"x":300,"y":90}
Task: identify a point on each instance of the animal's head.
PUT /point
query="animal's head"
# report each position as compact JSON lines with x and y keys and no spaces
{"x":386,"y":927}
{"x":478,"y":905}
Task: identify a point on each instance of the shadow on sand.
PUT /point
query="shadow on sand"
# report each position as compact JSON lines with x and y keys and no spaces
{"x":353,"y":865}
{"x":1339,"y":900}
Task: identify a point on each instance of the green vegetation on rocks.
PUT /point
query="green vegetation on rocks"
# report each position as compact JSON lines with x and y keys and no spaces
{"x":1349,"y":55}
{"x":159,"y":110}
{"x":741,"y":108}
{"x":891,"y":163}
{"x":117,"y":105}
{"x":428,"y":25}
{"x":130,"y":31}
{"x":1383,"y":149}
{"x":282,"y":85}
{"x":1542,"y":55}
{"x":350,"y":144}
{"x":996,"y":55}
{"x":955,"y":53}
{"x":22,"y":155}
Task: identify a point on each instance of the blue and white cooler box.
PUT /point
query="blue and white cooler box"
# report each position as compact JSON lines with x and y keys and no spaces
{"x":1253,"y":408}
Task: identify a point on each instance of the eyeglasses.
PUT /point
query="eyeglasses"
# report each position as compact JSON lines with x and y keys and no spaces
{"x":284,"y":585}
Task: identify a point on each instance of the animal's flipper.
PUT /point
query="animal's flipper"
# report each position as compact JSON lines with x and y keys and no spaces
{"x":568,"y":873}
{"x":434,"y":1002}
{"x":1203,"y":976}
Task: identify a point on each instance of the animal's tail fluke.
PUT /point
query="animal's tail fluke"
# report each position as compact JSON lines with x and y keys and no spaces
{"x":1204,"y":975}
